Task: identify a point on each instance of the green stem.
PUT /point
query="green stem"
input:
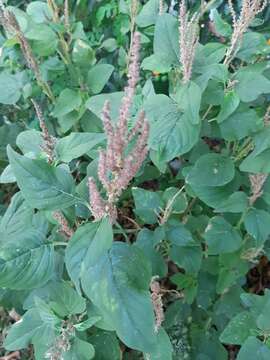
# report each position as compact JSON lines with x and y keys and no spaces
{"x":59,"y":243}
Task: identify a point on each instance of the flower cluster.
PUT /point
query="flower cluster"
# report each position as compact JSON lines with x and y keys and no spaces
{"x":188,"y":40}
{"x":257,"y":181}
{"x":48,"y":140}
{"x":125,"y":151}
{"x":156,"y":297}
{"x":249,"y":10}
{"x":64,"y":226}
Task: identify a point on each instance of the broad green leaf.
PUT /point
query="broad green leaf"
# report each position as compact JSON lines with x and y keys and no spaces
{"x":120,"y":291}
{"x":243,"y":122}
{"x":39,"y":11}
{"x":252,"y":45}
{"x":221,"y":237}
{"x":26,"y":268}
{"x":188,"y":284}
{"x":83,"y":54}
{"x":89,"y":242}
{"x":106,"y":345}
{"x":22,"y":332}
{"x":257,"y":224}
{"x":221,"y":26}
{"x":188,"y":257}
{"x":257,"y":161}
{"x":163,"y":350}
{"x":179,"y":235}
{"x":229,"y":105}
{"x":235,"y":203}
{"x":65,"y":300}
{"x":42,"y":185}
{"x":211,"y":170}
{"x":10,"y":88}
{"x":253,"y":348}
{"x":87,"y":323}
{"x":98,"y":76}
{"x":148,"y":14}
{"x":207,"y":55}
{"x":96,"y":104}
{"x":156,"y":64}
{"x":171,"y":132}
{"x":30,"y":142}
{"x":166,"y":42}
{"x":146,"y":241}
{"x":188,"y":98}
{"x":251,"y":84}
{"x":67,"y":101}
{"x":80,"y":350}
{"x":76,"y":144}
{"x":7,"y":176}
{"x":238,"y":329}
{"x":147,"y":204}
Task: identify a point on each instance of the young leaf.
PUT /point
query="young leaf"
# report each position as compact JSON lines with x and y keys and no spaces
{"x":98,"y":76}
{"x":253,"y":348}
{"x":257,"y":223}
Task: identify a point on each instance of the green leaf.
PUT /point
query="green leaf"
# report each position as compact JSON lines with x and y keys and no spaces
{"x":77,"y":144}
{"x":171,"y":132}
{"x":229,"y":105}
{"x":238,"y":329}
{"x":252,"y":45}
{"x":221,"y":26}
{"x":22,"y":332}
{"x":221,"y":237}
{"x":80,"y":350}
{"x":96,"y":104}
{"x":188,"y":98}
{"x":87,"y":323}
{"x":146,"y":241}
{"x":235,"y":203}
{"x":257,"y":161}
{"x":98,"y":76}
{"x":147,"y":204}
{"x":187,"y":283}
{"x":42,"y":185}
{"x":26,"y":268}
{"x":251,"y":84}
{"x":166,"y":42}
{"x":208,"y":55}
{"x":156,"y":63}
{"x":253,"y":348}
{"x":164,"y":349}
{"x":89,"y":242}
{"x":67,"y":101}
{"x":148,"y":14}
{"x":185,"y":252}
{"x":243,"y":122}
{"x":257,"y":224}
{"x":211,"y":170}
{"x":120,"y":291}
{"x":30,"y":142}
{"x":106,"y":345}
{"x":39,"y":11}
{"x":83,"y":54}
{"x":10,"y":88}
{"x":65,"y":300}
{"x":179,"y":203}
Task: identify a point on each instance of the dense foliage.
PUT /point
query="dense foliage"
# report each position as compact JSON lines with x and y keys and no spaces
{"x":135,"y":201}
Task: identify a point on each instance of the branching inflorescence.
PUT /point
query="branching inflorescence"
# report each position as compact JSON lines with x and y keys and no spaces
{"x":188,"y":40}
{"x":249,"y":10}
{"x":118,"y":164}
{"x":257,"y":181}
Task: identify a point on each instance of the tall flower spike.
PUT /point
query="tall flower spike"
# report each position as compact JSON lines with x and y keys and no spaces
{"x":188,"y":40}
{"x":119,"y":163}
{"x":249,"y":10}
{"x":11,"y":25}
{"x":48,"y":140}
